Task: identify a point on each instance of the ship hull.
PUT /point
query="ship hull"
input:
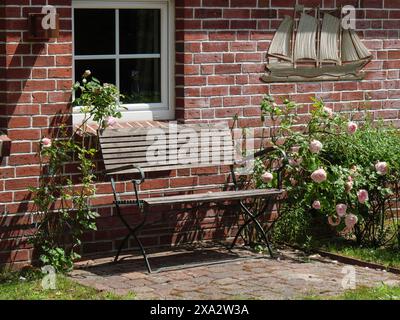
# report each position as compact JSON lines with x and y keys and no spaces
{"x":285,"y":72}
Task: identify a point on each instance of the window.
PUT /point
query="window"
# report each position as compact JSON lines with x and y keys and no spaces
{"x":129,"y":44}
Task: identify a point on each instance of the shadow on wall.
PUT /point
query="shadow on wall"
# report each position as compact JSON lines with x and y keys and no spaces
{"x":29,"y":96}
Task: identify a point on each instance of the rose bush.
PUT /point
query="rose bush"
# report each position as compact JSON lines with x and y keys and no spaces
{"x":63,"y":209}
{"x":345,"y":172}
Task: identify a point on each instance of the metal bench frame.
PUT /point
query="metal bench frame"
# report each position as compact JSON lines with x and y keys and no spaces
{"x":270,"y":197}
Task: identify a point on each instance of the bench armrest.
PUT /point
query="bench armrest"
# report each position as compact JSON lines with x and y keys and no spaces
{"x":135,"y":182}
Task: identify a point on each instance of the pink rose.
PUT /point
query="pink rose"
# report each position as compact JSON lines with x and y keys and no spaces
{"x":315,"y":146}
{"x":110,"y":121}
{"x":319,"y":176}
{"x":381,"y":168}
{"x":362,"y":196}
{"x":316,"y":205}
{"x":267,"y":177}
{"x":351,"y":220}
{"x":328,"y":111}
{"x":352,"y":127}
{"x":341,"y":210}
{"x":46,"y":142}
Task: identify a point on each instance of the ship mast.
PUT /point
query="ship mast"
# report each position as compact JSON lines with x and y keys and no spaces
{"x":318,"y":16}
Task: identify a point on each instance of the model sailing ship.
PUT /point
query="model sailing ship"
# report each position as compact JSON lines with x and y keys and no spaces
{"x":315,"y":48}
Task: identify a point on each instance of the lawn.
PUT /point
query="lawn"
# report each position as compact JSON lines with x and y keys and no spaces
{"x":382,"y":292}
{"x":388,"y":257}
{"x":16,"y":286}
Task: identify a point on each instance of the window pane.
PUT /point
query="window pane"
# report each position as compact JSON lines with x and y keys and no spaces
{"x":139,"y":31}
{"x":140,"y":80}
{"x":103,"y":70}
{"x":94,"y":31}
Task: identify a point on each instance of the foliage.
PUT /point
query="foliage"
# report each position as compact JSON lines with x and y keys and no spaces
{"x":346,"y":172}
{"x":97,"y":101}
{"x":62,"y":204}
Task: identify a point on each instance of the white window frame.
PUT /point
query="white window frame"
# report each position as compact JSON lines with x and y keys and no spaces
{"x":140,"y":111}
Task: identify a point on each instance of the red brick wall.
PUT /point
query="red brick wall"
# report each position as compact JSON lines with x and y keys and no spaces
{"x":34,"y":100}
{"x":220,"y":50}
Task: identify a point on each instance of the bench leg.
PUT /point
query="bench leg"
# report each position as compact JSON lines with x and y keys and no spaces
{"x":132,"y":233}
{"x":146,"y":260}
{"x":252,"y":218}
{"x":121,"y":247}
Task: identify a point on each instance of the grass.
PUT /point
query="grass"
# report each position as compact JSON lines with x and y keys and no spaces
{"x":388,"y":257}
{"x":382,"y":292}
{"x":28,"y":286}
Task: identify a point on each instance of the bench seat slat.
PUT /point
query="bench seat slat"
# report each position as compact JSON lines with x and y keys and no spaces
{"x":214,"y":196}
{"x":205,"y":141}
{"x":113,"y":169}
{"x":164,"y":135}
{"x":173,"y":152}
{"x":139,"y":148}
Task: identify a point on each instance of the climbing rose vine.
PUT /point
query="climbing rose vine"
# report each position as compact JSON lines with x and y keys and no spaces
{"x":344,"y":171}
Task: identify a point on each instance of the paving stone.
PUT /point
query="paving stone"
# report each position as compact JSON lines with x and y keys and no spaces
{"x":294,"y":276}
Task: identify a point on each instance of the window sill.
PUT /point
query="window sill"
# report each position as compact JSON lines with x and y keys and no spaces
{"x":135,"y":116}
{"x":92,"y":127}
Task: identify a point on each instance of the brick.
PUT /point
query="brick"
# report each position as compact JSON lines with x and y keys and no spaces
{"x":227,"y":68}
{"x":236,"y":13}
{"x":208,"y":58}
{"x":215,"y":46}
{"x":243,"y":46}
{"x":216,"y":24}
{"x":214,"y":91}
{"x":221,"y":80}
{"x":208,"y":13}
{"x":183,"y":182}
{"x":18,"y":184}
{"x":155,"y":184}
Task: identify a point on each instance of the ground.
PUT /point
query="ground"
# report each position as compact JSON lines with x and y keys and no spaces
{"x":293,"y":275}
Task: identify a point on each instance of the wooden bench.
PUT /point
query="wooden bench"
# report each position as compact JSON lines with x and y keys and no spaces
{"x":150,"y":149}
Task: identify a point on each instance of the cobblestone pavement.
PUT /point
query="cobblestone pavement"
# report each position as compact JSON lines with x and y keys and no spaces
{"x":292,"y":276}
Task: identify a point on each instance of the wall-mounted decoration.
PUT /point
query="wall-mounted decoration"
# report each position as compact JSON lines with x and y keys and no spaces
{"x":315,"y":46}
{"x":5,"y":145}
{"x":45,"y":25}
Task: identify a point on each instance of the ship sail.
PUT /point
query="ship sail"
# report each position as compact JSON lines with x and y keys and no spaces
{"x":305,"y":46}
{"x":280,"y":45}
{"x":329,"y":48}
{"x":352,"y":47}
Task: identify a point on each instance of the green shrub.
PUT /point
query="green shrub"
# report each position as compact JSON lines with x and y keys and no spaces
{"x":346,"y":172}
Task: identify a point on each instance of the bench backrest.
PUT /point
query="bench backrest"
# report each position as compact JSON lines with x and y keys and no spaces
{"x":175,"y":146}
